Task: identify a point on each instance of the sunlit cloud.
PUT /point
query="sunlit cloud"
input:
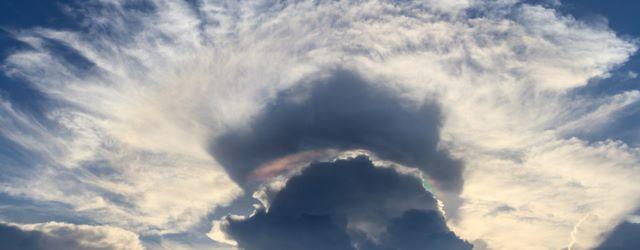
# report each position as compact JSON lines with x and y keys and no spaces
{"x":142,"y":95}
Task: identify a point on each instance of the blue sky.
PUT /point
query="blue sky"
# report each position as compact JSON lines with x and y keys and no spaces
{"x":158,"y":123}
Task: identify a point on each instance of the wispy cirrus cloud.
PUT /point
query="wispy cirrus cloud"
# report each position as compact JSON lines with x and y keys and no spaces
{"x":142,"y":92}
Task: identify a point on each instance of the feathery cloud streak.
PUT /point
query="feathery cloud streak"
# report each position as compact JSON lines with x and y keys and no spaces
{"x":148,"y":90}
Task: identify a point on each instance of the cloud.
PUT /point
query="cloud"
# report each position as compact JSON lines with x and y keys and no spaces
{"x":567,"y":178}
{"x":128,"y":142}
{"x":59,"y":236}
{"x":341,"y":112}
{"x":622,"y":237}
{"x":346,"y":204}
{"x":417,"y":229}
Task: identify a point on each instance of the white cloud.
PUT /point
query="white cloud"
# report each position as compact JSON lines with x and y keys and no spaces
{"x":148,"y":190}
{"x":166,"y":83}
{"x":218,"y":234}
{"x":634,"y":219}
{"x":553,"y":186}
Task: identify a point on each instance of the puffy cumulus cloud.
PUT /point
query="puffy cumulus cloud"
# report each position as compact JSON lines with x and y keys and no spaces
{"x":342,"y":112}
{"x":147,"y":91}
{"x":346,"y":204}
{"x":59,"y":236}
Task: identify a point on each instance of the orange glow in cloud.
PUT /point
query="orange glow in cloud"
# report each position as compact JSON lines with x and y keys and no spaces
{"x":290,"y":162}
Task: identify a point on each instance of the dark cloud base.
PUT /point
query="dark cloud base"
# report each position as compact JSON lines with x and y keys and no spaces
{"x":347,"y":204}
{"x":625,"y":236}
{"x":341,"y":112}
{"x":14,"y":238}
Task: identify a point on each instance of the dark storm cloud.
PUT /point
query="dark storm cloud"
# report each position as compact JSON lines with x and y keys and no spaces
{"x":341,"y":112}
{"x":65,"y":236}
{"x":623,"y":237}
{"x":419,"y":230}
{"x":345,"y":205}
{"x":14,"y":238}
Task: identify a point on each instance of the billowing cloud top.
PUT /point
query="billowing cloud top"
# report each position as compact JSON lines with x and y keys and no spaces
{"x":154,"y":117}
{"x":348,"y":204}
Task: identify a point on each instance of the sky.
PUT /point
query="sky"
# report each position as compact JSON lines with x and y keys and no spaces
{"x":356,"y":124}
